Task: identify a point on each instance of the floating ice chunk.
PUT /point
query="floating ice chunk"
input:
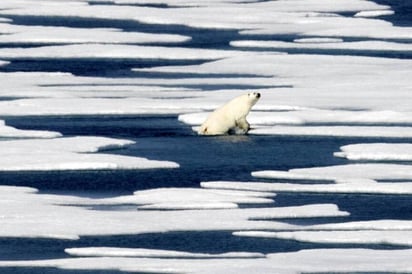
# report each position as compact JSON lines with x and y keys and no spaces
{"x":27,"y":214}
{"x":345,"y":260}
{"x":318,"y":40}
{"x":377,"y":152}
{"x":339,"y":237}
{"x":336,"y":131}
{"x":332,"y":45}
{"x":11,"y":132}
{"x":3,"y":63}
{"x":115,"y":51}
{"x":367,"y":225}
{"x":70,"y":154}
{"x":321,"y":116}
{"x":189,"y":206}
{"x":188,"y":198}
{"x":374,"y":13}
{"x":67,"y":144}
{"x":153,"y":253}
{"x":342,"y":172}
{"x":48,"y":35}
{"x":364,"y":187}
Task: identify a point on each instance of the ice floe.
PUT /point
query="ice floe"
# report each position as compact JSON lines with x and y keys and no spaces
{"x":337,"y":131}
{"x":113,"y":51}
{"x":25,"y":213}
{"x":339,"y":237}
{"x":72,"y":153}
{"x":64,"y":35}
{"x":152,"y":253}
{"x":332,"y":45}
{"x":374,"y":13}
{"x":342,"y":172}
{"x":377,"y":152}
{"x":361,"y":186}
{"x":182,"y":198}
{"x":11,"y":132}
{"x":313,"y":260}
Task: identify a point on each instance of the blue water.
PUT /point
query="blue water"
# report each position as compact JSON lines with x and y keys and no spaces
{"x":201,"y":159}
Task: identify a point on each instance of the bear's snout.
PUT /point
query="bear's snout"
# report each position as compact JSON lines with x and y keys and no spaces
{"x":258,"y":95}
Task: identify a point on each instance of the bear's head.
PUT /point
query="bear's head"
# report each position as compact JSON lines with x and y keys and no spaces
{"x":253,"y":97}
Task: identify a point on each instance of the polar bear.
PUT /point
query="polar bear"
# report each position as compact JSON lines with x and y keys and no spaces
{"x":231,"y":116}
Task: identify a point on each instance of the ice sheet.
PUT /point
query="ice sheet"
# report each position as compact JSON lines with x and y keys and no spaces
{"x":70,"y":154}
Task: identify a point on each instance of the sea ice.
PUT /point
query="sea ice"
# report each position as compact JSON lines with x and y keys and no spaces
{"x":348,"y":187}
{"x":25,"y":213}
{"x":336,"y":131}
{"x":114,"y":51}
{"x":339,"y":237}
{"x":314,"y":260}
{"x":343,"y":172}
{"x":374,"y":13}
{"x":153,"y":253}
{"x":11,"y":132}
{"x":70,"y":154}
{"x":333,"y":45}
{"x":64,"y":35}
{"x":377,"y":152}
{"x":302,"y":94}
{"x":188,"y":198}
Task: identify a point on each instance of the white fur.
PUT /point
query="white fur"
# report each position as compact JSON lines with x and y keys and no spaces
{"x":230,"y":116}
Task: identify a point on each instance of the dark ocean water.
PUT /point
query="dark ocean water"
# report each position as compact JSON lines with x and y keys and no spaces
{"x":201,"y":159}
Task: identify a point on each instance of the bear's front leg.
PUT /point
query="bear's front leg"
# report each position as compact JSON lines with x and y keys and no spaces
{"x":243,"y":124}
